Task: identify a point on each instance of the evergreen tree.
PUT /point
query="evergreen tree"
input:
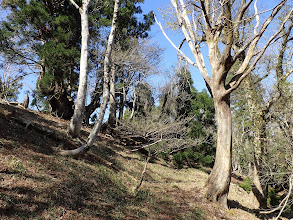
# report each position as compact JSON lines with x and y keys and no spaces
{"x":51,"y":31}
{"x":45,"y":34}
{"x":199,"y":107}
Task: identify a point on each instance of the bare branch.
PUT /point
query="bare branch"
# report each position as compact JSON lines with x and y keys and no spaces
{"x":177,"y":48}
{"x":256,"y":18}
{"x":284,"y":201}
{"x":242,"y":72}
{"x":253,"y":42}
{"x":242,"y":11}
{"x":75,"y":5}
{"x":191,"y":39}
{"x":206,"y":17}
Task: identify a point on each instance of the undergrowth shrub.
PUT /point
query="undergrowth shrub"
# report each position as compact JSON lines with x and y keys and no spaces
{"x":193,"y":157}
{"x":246,"y":184}
{"x":273,"y":198}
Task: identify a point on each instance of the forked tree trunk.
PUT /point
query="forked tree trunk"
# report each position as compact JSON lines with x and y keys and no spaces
{"x":76,"y":121}
{"x":220,"y":177}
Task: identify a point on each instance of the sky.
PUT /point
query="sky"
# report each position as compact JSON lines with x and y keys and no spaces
{"x":169,"y":58}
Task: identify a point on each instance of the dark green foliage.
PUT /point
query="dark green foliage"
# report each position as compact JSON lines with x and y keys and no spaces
{"x":192,"y":157}
{"x":144,"y":100}
{"x":200,"y":107}
{"x":247,"y":184}
{"x":273,"y":198}
{"x":51,"y":32}
{"x":46,"y":35}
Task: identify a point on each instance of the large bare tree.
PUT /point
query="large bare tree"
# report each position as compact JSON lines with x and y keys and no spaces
{"x":220,"y":25}
{"x":76,"y":121}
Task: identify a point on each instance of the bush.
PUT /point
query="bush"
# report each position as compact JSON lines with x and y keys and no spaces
{"x":192,"y":158}
{"x":207,"y":160}
{"x":273,"y":198}
{"x":247,"y":184}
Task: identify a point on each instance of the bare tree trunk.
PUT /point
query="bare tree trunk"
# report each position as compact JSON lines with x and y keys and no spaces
{"x":76,"y":121}
{"x":106,"y":93}
{"x":221,"y":60}
{"x":220,"y":177}
{"x":260,"y":142}
{"x":83,"y":149}
{"x":26,"y":101}
{"x":112,"y":100}
{"x":122,"y":102}
{"x":133,"y":105}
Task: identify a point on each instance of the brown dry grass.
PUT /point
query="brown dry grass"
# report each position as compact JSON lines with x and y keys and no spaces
{"x":37,"y":183}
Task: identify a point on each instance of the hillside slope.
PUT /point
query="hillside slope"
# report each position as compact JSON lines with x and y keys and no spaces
{"x":37,"y":183}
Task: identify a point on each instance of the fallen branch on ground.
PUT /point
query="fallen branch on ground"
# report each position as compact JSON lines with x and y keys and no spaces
{"x":283,"y":203}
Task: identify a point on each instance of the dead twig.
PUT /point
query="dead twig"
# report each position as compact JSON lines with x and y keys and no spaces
{"x":283,"y":203}
{"x":143,"y":172}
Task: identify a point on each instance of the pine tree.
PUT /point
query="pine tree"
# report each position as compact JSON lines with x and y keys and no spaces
{"x":45,"y":34}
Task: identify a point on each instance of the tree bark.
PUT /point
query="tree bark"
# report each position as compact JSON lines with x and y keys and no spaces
{"x":133,"y":105}
{"x":76,"y":121}
{"x":219,"y":180}
{"x":122,"y":102}
{"x":91,"y":138}
{"x":112,"y":100}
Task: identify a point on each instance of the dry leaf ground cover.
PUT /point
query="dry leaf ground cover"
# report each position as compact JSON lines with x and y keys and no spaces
{"x":37,"y":183}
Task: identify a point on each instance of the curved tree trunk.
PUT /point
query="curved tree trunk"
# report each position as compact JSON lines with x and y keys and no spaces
{"x":106,"y":93}
{"x":84,"y":148}
{"x":220,"y":177}
{"x":76,"y":121}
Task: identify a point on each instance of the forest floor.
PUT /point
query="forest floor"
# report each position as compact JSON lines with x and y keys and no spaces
{"x":37,"y":183}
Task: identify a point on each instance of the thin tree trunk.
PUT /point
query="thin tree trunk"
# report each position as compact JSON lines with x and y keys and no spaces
{"x":220,"y":177}
{"x":106,"y":93}
{"x":260,"y":145}
{"x":76,"y":121}
{"x":112,"y":100}
{"x":122,"y":102}
{"x":133,"y":105}
{"x":91,"y":138}
{"x":94,"y":104}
